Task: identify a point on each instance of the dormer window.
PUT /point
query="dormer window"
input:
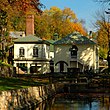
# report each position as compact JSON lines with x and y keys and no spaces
{"x":21,"y":52}
{"x":35,"y":51}
{"x":73,"y":51}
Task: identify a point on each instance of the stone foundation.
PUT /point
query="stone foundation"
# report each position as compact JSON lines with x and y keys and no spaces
{"x":23,"y":98}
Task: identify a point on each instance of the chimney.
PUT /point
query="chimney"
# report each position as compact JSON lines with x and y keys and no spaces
{"x":30,"y":24}
{"x":90,"y":34}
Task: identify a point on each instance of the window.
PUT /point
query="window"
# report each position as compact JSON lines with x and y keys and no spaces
{"x":48,"y":51}
{"x":73,"y":51}
{"x":21,"y":52}
{"x":73,"y":54}
{"x":43,"y":51}
{"x":35,"y":51}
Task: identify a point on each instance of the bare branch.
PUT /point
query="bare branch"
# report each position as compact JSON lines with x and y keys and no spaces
{"x":102,"y":1}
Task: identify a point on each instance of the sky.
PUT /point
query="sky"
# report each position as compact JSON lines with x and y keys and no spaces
{"x":84,"y":9}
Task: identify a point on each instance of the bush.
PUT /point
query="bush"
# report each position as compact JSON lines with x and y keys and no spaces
{"x":6,"y":70}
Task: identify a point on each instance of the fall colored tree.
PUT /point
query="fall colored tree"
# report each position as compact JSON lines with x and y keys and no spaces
{"x":12,"y":17}
{"x":102,"y":24}
{"x":58,"y":21}
{"x":16,"y":11}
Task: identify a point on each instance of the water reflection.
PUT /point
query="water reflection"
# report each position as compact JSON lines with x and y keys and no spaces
{"x":77,"y":102}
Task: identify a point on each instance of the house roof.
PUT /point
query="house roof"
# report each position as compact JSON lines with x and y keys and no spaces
{"x":30,"y":39}
{"x":51,"y":41}
{"x":74,"y":38}
{"x":51,"y":45}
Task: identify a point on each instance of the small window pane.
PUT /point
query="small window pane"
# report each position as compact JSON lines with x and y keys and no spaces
{"x":73,"y":51}
{"x":21,"y":52}
{"x":35,"y":51}
{"x":73,"y":54}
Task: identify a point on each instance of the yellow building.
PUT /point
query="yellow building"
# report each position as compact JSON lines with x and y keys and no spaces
{"x":75,"y":52}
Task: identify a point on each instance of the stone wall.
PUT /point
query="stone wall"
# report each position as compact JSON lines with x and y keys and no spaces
{"x":6,"y":71}
{"x":24,"y":98}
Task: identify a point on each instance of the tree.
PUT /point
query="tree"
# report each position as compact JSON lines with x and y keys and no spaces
{"x":3,"y":25}
{"x":102,"y":25}
{"x":17,"y":10}
{"x":102,"y":1}
{"x":12,"y":17}
{"x":58,"y":21}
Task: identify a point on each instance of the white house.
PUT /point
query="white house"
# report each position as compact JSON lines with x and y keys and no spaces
{"x":31,"y":54}
{"x":75,"y":51}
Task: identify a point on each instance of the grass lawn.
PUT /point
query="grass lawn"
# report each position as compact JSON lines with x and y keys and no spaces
{"x":16,"y":83}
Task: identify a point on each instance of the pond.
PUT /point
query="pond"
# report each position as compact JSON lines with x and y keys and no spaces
{"x":77,"y":101}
